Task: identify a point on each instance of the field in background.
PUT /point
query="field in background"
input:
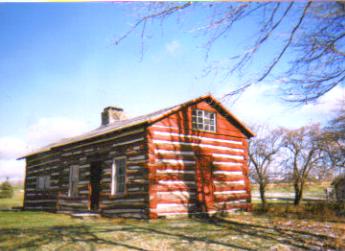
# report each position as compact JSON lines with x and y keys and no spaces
{"x":16,"y":201}
{"x":282,"y":192}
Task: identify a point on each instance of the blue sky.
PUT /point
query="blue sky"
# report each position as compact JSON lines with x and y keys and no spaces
{"x":59,"y":68}
{"x":59,"y":60}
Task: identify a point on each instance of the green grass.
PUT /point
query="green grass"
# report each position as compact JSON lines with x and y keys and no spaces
{"x":310,"y":226}
{"x":15,"y":201}
{"x":45,"y":231}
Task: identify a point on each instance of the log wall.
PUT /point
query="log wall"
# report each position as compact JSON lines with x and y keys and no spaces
{"x":174,"y":151}
{"x":43,"y":164}
{"x":128,"y":143}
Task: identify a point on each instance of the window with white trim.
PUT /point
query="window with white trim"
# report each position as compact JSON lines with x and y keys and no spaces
{"x":203,"y":120}
{"x":118,"y":176}
{"x":73,"y":190}
{"x":43,"y":182}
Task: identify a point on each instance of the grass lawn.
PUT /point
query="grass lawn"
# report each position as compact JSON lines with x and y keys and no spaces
{"x":45,"y":231}
{"x":308,"y":227}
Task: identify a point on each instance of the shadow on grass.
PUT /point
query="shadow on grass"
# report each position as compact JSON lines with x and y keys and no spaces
{"x":276,"y":234}
{"x":63,"y":236}
{"x":70,"y":237}
{"x":91,"y":237}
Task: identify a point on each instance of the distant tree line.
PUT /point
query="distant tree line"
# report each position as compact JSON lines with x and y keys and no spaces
{"x":6,"y":190}
{"x":297,"y":155}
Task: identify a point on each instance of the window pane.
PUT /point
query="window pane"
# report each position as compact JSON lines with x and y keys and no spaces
{"x":47,"y":182}
{"x":119,"y":171}
{"x":203,"y":120}
{"x":74,"y":180}
{"x":120,"y":175}
{"x":40,"y":183}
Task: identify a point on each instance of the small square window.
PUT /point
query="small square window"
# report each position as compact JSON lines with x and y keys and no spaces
{"x":203,"y":120}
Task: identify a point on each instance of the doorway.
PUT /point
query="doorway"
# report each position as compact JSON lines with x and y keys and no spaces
{"x":95,"y":185}
{"x":205,"y":186}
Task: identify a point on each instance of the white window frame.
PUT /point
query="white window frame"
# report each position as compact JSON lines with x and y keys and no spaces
{"x":204,"y":117}
{"x":114,"y":176}
{"x":70,"y":192}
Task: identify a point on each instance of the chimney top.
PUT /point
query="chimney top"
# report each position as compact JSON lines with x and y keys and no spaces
{"x":113,"y":108}
{"x":111,"y":114}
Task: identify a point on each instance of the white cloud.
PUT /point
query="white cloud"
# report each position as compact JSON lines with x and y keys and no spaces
{"x":257,"y":105}
{"x":11,"y":147}
{"x":48,"y":130}
{"x":173,"y":47}
{"x":13,"y":169}
{"x":260,"y":104}
{"x":327,"y":103}
{"x":42,"y":132}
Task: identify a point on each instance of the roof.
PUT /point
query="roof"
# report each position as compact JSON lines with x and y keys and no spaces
{"x":127,"y":123}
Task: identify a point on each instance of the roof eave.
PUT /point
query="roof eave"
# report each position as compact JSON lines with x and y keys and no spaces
{"x":78,"y":141}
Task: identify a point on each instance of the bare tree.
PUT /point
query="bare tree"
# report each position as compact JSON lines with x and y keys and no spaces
{"x":303,"y":154}
{"x":311,"y":33}
{"x":262,"y":152}
{"x":334,"y":140}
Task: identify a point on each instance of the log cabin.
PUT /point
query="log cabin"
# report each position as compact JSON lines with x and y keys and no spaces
{"x":187,"y":159}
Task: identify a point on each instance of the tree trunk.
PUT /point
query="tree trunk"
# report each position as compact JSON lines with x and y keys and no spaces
{"x":262,"y":188}
{"x":298,"y":193}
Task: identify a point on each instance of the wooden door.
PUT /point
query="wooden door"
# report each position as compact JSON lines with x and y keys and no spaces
{"x":205,"y":186}
{"x":95,"y":185}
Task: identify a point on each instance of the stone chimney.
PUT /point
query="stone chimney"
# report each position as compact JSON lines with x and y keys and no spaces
{"x":111,"y":114}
